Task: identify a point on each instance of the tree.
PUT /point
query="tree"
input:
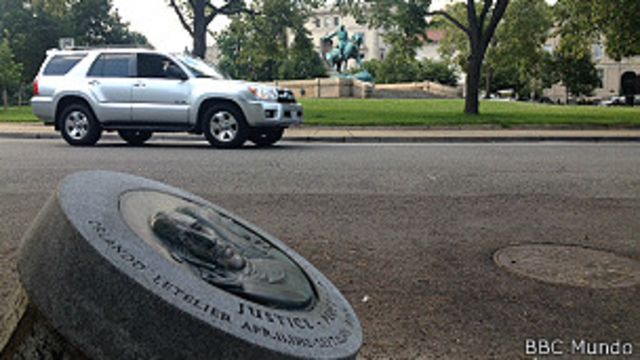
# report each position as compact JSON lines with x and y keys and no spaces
{"x":302,"y":61}
{"x":479,"y":25}
{"x":513,"y":57}
{"x":437,"y":71}
{"x":577,"y":73}
{"x":394,"y":69}
{"x":618,"y":22}
{"x":520,"y":39}
{"x":258,"y":47}
{"x":9,"y":72}
{"x":479,"y":29}
{"x":34,"y":27}
{"x":95,"y":23}
{"x":196,"y":15}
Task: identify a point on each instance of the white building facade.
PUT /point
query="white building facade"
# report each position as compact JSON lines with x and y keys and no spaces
{"x":609,"y":71}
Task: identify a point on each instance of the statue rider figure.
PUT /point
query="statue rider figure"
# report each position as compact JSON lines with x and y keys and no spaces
{"x":343,"y":38}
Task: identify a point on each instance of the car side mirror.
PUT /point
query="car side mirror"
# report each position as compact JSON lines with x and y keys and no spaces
{"x":174,"y":72}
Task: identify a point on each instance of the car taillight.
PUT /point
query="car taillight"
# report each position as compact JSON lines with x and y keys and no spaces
{"x":36,"y":88}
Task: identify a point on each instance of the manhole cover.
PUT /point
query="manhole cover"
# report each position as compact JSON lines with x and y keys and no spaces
{"x":570,"y":265}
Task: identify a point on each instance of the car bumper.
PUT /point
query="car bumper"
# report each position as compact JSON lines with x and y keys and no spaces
{"x":42,"y":108}
{"x":263,"y":113}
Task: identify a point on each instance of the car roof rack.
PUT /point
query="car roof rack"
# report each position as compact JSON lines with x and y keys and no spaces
{"x":111,"y":46}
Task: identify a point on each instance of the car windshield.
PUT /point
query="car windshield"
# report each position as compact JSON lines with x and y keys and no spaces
{"x":201,"y":69}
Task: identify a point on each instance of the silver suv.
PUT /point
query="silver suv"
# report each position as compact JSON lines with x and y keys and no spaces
{"x":137,"y":92}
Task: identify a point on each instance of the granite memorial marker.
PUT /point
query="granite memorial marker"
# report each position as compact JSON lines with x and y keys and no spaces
{"x":121,"y":267}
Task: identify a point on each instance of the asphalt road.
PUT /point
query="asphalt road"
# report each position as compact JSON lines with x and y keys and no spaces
{"x":411,"y":228}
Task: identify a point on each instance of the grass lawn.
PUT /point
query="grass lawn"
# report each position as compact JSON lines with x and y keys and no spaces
{"x":395,"y":112}
{"x":17,"y":114}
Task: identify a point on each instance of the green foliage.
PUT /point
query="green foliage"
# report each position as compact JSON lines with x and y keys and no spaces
{"x":520,"y":39}
{"x":575,"y":27}
{"x":32,"y":30}
{"x":396,"y":69}
{"x":258,"y":48}
{"x":576,"y":72}
{"x":302,"y":61}
{"x":619,"y":21}
{"x":95,"y":23}
{"x":438,"y":71}
{"x":581,"y":22}
{"x":454,"y":47}
{"x":9,"y":70}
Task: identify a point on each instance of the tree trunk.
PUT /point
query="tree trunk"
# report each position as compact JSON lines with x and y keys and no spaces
{"x":471,"y":103}
{"x":5,"y":99}
{"x":199,"y":30}
{"x":487,"y":85}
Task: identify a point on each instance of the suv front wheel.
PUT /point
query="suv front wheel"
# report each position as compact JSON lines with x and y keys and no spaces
{"x":79,"y":126}
{"x":225,"y":127}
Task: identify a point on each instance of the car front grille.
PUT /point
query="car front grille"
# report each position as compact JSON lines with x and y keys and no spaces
{"x":286,"y":96}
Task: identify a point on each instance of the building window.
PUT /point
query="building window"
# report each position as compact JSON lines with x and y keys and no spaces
{"x":598,"y":52}
{"x":317,"y":22}
{"x":336,"y":21}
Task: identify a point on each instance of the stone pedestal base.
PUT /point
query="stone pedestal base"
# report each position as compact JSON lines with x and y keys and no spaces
{"x":26,"y":335}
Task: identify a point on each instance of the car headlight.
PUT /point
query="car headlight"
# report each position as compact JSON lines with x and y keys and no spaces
{"x":264,"y":92}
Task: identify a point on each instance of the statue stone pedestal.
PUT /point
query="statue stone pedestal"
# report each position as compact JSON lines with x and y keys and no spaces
{"x":26,"y":334}
{"x":121,"y":267}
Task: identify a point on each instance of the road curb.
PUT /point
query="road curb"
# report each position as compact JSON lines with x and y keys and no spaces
{"x":435,"y":137}
{"x":464,"y":139}
{"x":371,"y":139}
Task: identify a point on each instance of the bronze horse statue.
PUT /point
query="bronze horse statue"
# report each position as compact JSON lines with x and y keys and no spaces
{"x":346,"y":49}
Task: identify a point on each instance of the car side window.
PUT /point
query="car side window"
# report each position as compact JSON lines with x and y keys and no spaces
{"x":112,"y":65}
{"x":61,"y":64}
{"x":156,"y":66}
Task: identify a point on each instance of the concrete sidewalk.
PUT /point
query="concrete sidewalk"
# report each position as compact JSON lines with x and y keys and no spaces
{"x":372,"y":134}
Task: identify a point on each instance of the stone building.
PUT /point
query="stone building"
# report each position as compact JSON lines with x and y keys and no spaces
{"x":609,"y":71}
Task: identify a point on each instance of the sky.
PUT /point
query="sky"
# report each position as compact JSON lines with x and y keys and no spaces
{"x":159,"y":23}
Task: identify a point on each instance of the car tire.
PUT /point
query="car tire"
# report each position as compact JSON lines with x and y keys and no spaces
{"x":135,"y":137}
{"x":225,"y":126}
{"x":78,"y":126}
{"x":266,"y":137}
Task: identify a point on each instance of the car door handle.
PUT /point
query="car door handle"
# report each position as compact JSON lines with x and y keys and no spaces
{"x":139,"y":84}
{"x":94,"y":82}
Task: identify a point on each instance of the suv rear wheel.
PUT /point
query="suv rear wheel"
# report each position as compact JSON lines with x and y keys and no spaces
{"x":135,"y":137}
{"x":266,"y":137}
{"x":225,"y":127}
{"x":79,"y":126}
